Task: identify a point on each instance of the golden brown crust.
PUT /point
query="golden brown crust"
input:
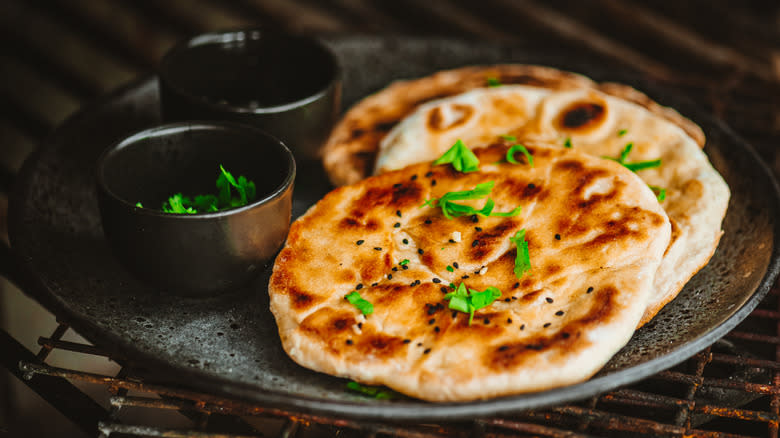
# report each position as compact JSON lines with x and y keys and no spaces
{"x":595,"y":235}
{"x":350,"y":151}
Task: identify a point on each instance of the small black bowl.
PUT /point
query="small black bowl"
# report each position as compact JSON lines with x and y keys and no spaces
{"x":203,"y":253}
{"x":289,"y":86}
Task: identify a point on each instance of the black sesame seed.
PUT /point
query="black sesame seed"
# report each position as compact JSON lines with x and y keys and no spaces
{"x":389,"y":276}
{"x":360,"y":242}
{"x":412,"y":284}
{"x":557,"y":237}
{"x":395,"y":268}
{"x":507,"y":300}
{"x":417,"y":282}
{"x":374,"y":284}
{"x":431,"y":309}
{"x":419,"y":344}
{"x":455,"y":265}
{"x":429,"y":174}
{"x":474,"y":218}
{"x":454,"y":314}
{"x":378,"y":248}
{"x":349,"y":341}
{"x":549,"y":300}
{"x":509,"y":320}
{"x":433,"y":182}
{"x":590,"y":289}
{"x":397,"y":225}
{"x":452,"y":240}
{"x":531,"y":185}
{"x":406,"y":341}
{"x":465,"y":277}
{"x":547,"y":324}
{"x":360,"y":325}
{"x":428,"y":221}
{"x":395,"y":186}
{"x":398,"y":213}
{"x":436,"y":329}
{"x":522,"y":326}
{"x":414,"y":177}
{"x":478,"y":228}
{"x":405,"y":267}
{"x":436,"y":280}
{"x":503,"y":348}
{"x":444,"y":290}
{"x":427,"y":350}
{"x":359,"y":286}
{"x":559,"y":313}
{"x":405,"y":241}
{"x":565,"y":335}
{"x":431,"y":321}
{"x":514,"y":298}
{"x":516,"y":285}
{"x":474,"y":243}
{"x":486,"y":321}
{"x":420,"y":251}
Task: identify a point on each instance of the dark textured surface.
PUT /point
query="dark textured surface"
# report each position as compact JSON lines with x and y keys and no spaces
{"x":230,"y":344}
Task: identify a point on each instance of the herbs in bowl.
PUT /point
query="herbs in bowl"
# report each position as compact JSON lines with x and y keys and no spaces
{"x":231,"y":192}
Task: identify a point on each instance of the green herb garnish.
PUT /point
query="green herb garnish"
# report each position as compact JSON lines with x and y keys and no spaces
{"x":469,"y":301}
{"x":523,"y":260}
{"x":451,"y":209}
{"x":450,"y":268}
{"x":245,"y":191}
{"x":363,"y":305}
{"x":510,"y":154}
{"x":493,"y":82}
{"x":461,"y":157}
{"x":377,"y":392}
{"x":660,"y":193}
{"x":622,"y":132}
{"x":509,"y":137}
{"x":637,"y":165}
{"x":567,"y":142}
{"x":139,"y":205}
{"x":404,"y":262}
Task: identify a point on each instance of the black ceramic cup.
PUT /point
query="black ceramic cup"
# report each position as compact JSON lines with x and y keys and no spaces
{"x":203,"y":253}
{"x":289,"y":86}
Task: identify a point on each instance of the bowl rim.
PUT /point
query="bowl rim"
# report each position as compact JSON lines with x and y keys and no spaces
{"x":178,"y":127}
{"x":247,"y":34}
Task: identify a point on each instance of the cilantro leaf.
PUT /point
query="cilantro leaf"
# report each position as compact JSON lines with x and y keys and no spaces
{"x":178,"y":204}
{"x":470,"y":300}
{"x":363,"y":305}
{"x":450,"y":209}
{"x":461,"y":158}
{"x":493,"y":82}
{"x":523,"y":260}
{"x":377,"y":392}
{"x":510,"y":154}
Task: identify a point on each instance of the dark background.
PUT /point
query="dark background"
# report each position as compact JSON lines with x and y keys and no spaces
{"x":58,"y":55}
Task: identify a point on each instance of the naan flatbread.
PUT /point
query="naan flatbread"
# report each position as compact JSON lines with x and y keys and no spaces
{"x":595,"y":123}
{"x":596,"y":236}
{"x":350,"y":151}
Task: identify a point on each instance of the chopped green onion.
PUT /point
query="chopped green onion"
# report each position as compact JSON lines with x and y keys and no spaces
{"x":363,"y":305}
{"x":139,"y":205}
{"x":404,"y":262}
{"x":622,"y":132}
{"x":510,"y":154}
{"x":469,"y":301}
{"x":509,"y":137}
{"x":450,"y":268}
{"x":523,"y":260}
{"x":377,"y":392}
{"x":461,"y":158}
{"x":637,"y":165}
{"x":493,"y":82}
{"x":567,"y":142}
{"x":660,"y":192}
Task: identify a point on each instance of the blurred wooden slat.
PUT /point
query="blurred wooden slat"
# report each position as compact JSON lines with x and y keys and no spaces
{"x":30,"y":92}
{"x":63,"y":46}
{"x":363,"y":16}
{"x":471,"y":24}
{"x":16,"y":146}
{"x":299,"y":17}
{"x":205,"y":15}
{"x":120,"y":26}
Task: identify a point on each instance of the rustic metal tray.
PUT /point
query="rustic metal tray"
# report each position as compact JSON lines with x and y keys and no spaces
{"x":229,"y":345}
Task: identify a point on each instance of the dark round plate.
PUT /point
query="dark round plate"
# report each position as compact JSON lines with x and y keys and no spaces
{"x":229,"y":345}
